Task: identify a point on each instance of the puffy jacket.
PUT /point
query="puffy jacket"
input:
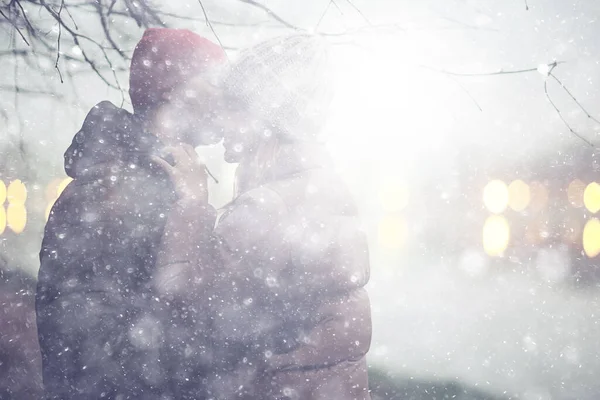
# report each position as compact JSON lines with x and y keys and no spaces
{"x":291,"y":318}
{"x":102,"y":331}
{"x":20,"y":364}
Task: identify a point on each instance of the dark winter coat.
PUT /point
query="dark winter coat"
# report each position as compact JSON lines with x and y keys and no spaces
{"x":20,"y":364}
{"x":103,"y":333}
{"x":288,"y":299}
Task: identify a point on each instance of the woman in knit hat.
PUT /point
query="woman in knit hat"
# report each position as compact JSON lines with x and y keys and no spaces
{"x":290,"y":315}
{"x":102,"y":333}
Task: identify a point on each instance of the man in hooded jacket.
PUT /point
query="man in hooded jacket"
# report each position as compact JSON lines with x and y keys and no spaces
{"x":102,"y":330}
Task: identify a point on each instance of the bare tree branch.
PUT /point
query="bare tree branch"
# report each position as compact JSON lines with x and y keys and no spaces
{"x":105,"y":28}
{"x":359,"y":11}
{"x":552,"y":67}
{"x":574,"y":99}
{"x":323,"y":15}
{"x":62,"y":4}
{"x":500,"y":72}
{"x":30,"y":91}
{"x":13,"y":23}
{"x":75,"y":36}
{"x":209,"y":24}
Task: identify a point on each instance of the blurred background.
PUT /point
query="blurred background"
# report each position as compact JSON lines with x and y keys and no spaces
{"x":466,"y":129}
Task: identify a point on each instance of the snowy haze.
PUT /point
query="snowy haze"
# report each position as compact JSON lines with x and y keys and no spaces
{"x":510,"y":330}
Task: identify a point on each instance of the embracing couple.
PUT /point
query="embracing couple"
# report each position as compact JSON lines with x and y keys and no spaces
{"x":146,"y":292}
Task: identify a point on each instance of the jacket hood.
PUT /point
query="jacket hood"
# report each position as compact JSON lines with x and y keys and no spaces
{"x":109,"y":138}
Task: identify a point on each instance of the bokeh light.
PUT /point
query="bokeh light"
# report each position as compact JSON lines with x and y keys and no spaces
{"x":48,"y":210}
{"x":16,"y":217}
{"x":16,"y":192}
{"x":393,"y":232}
{"x":495,"y":196}
{"x":53,"y":192}
{"x":62,"y":186}
{"x":518,"y":195}
{"x":575,"y":193}
{"x":496,"y":235}
{"x":393,"y":194}
{"x":591,"y":238}
{"x":52,"y":189}
{"x":591,"y":197}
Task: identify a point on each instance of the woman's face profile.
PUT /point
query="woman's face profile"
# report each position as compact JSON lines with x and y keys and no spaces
{"x":241,"y":133}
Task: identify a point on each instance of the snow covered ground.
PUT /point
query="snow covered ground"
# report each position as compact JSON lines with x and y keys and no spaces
{"x":504,"y":331}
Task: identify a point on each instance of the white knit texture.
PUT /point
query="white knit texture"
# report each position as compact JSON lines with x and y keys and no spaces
{"x":287,"y":82}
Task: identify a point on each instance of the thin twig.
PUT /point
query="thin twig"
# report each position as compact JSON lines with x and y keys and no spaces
{"x":152,"y":13}
{"x":107,"y":34}
{"x":501,"y":72}
{"x":574,"y":99}
{"x":14,"y":52}
{"x":338,"y":7}
{"x":136,"y":18}
{"x":110,"y":8}
{"x":323,"y":15}
{"x":72,"y":19}
{"x":560,"y":113}
{"x":24,"y":14}
{"x":209,"y":24}
{"x":14,"y":26}
{"x":359,"y":11}
{"x":75,"y":36}
{"x":526,"y":6}
{"x":464,"y":89}
{"x":28,"y":91}
{"x":62,"y":4}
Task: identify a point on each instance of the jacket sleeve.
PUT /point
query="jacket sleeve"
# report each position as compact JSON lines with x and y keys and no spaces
{"x":97,"y":330}
{"x":343,"y":333}
{"x":277,"y":262}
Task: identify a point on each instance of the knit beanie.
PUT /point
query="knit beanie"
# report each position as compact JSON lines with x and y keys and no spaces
{"x":165,"y":59}
{"x":286,"y":82}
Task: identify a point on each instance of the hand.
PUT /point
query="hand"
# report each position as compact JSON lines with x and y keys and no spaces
{"x":188,"y":175}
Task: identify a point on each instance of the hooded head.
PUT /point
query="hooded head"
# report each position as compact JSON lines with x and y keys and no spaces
{"x":281,"y":87}
{"x":167,"y":59}
{"x":173,"y":85}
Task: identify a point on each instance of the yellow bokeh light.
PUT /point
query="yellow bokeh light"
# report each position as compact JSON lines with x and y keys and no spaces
{"x":393,"y":232}
{"x":62,"y":186}
{"x":575,"y":193}
{"x":591,"y":238}
{"x":518,"y":195}
{"x":2,"y":193}
{"x":495,"y":196}
{"x":16,"y":217}
{"x":393,"y":195}
{"x":49,"y":209}
{"x":2,"y":219}
{"x":52,"y":189}
{"x":591,"y":197}
{"x":539,"y":196}
{"x":496,"y":235}
{"x":16,"y":192}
